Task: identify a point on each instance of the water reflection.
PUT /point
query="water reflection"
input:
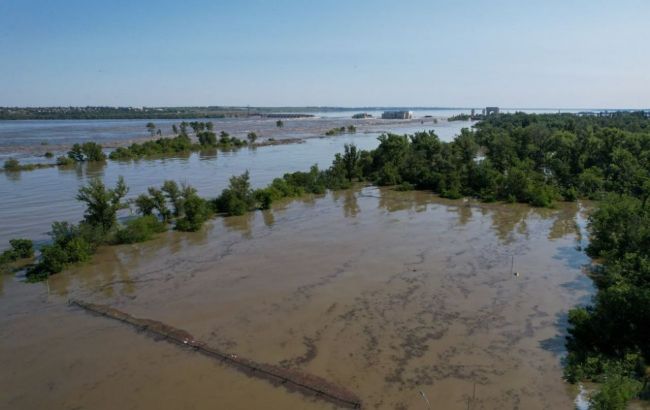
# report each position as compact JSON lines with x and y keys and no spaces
{"x":350,"y":204}
{"x":269,"y":218}
{"x":242,"y":224}
{"x":565,"y":222}
{"x":464,"y":213}
{"x":13,"y":176}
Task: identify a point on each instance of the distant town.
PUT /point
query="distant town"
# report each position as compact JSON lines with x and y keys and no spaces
{"x":106,"y":112}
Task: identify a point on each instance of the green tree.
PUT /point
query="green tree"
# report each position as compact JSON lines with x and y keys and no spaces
{"x":102,"y":204}
{"x":173,"y":194}
{"x":350,"y":158}
{"x":151,"y":127}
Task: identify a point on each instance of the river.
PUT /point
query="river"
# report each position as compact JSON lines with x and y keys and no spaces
{"x":32,"y":200}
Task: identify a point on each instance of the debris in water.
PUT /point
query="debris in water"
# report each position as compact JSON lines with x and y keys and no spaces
{"x":289,"y":378}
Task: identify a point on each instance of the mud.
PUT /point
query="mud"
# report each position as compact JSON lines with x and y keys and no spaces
{"x":384,"y":293}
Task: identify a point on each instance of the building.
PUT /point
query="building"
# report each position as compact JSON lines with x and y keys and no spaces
{"x":491,"y":111}
{"x":397,"y":115}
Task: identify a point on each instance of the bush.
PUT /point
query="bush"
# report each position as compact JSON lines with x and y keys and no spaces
{"x":238,"y":198}
{"x":12,"y":164}
{"x":88,"y":151}
{"x":23,"y":248}
{"x":53,"y":260}
{"x":64,"y":161}
{"x":140,"y":229}
{"x":541,"y":195}
{"x":615,"y":393}
{"x":71,"y":244}
{"x":20,"y":249}
{"x":404,"y":187}
{"x":196,"y":210}
{"x":48,"y":154}
{"x":264,"y":198}
{"x":207,"y":139}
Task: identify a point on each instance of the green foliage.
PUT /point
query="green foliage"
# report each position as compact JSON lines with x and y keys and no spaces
{"x":102,"y":204}
{"x":404,"y":187}
{"x":173,"y":194}
{"x":140,"y":229}
{"x":22,"y":248}
{"x":64,"y":161}
{"x":460,"y":117}
{"x":88,"y":151}
{"x":207,"y":139}
{"x":71,"y":244}
{"x":48,"y":154}
{"x":161,"y":146}
{"x":12,"y":164}
{"x":615,"y":393}
{"x":279,"y":124}
{"x":238,"y":198}
{"x":608,"y":340}
{"x":252,"y":137}
{"x":228,"y":142}
{"x":196,"y":212}
{"x":151,"y":127}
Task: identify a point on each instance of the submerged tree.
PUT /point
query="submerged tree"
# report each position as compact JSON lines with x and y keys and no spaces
{"x":102,"y":204}
{"x":151,"y":127}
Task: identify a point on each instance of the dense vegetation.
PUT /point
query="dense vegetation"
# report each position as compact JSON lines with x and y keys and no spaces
{"x":609,"y":340}
{"x":460,"y":117}
{"x":535,"y":159}
{"x":181,"y":142}
{"x":350,"y":129}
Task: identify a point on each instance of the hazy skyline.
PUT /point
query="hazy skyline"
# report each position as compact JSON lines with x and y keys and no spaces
{"x":591,"y":54}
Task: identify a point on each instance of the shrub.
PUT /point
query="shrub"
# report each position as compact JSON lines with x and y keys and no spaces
{"x":48,"y":154}
{"x":615,"y":393}
{"x":23,"y":248}
{"x":64,"y":161}
{"x":405,"y":186}
{"x":264,"y":198}
{"x":541,"y":195}
{"x":140,"y":229}
{"x":88,"y":151}
{"x":238,"y":198}
{"x":53,"y":260}
{"x":207,"y":139}
{"x":12,"y":164}
{"x":196,"y":212}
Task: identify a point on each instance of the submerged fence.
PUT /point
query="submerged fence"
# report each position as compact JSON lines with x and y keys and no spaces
{"x":289,"y":378}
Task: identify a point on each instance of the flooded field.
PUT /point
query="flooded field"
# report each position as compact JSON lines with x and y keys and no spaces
{"x":32,"y":200}
{"x":388,"y":294}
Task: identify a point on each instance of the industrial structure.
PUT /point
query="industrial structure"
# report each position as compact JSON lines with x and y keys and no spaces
{"x":487,"y":111}
{"x":397,"y":115}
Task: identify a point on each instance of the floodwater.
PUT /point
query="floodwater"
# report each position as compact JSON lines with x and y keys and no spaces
{"x":28,"y":140}
{"x":32,"y":200}
{"x":386,"y":293}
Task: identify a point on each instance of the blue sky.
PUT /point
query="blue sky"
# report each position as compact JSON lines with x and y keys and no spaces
{"x":561,"y":54}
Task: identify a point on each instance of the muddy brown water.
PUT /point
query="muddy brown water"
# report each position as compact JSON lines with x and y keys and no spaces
{"x":385,"y":293}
